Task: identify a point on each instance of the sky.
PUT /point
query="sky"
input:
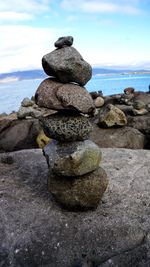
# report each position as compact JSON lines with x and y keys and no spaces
{"x":106,"y":32}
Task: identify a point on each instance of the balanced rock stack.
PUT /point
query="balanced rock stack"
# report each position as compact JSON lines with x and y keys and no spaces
{"x":75,"y":178}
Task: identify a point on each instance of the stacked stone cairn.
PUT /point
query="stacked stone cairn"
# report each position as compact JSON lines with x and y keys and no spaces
{"x":75,"y":178}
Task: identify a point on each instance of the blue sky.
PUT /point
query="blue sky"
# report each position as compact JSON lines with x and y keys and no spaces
{"x":106,"y":32}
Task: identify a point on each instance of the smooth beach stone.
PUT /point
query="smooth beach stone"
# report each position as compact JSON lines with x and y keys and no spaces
{"x":99,"y":102}
{"x":65,"y":127}
{"x":67,"y":65}
{"x":72,"y":159}
{"x":111,"y":116}
{"x":54,"y":95}
{"x":64,"y":41}
{"x":79,"y":193}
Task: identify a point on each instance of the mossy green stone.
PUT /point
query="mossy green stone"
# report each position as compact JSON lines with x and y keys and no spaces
{"x":74,"y":158}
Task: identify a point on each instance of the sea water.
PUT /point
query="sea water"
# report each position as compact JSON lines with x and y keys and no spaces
{"x":12,"y":93}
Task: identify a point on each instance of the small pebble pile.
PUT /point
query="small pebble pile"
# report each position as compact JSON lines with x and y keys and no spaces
{"x":75,"y":178}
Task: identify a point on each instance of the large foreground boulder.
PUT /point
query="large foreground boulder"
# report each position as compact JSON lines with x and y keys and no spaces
{"x":36,"y":232}
{"x":18,"y":134}
{"x":125,"y":137}
{"x":141,"y":123}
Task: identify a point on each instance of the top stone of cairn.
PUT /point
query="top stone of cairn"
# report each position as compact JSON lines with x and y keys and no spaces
{"x":64,"y":41}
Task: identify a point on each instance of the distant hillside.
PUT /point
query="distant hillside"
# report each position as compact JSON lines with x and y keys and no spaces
{"x":39,"y":74}
{"x":24,"y":75}
{"x":106,"y":71}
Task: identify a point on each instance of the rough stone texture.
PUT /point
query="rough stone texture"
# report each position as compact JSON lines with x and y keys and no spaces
{"x":125,"y":137}
{"x":75,"y":97}
{"x":66,"y":127}
{"x":111,"y":116}
{"x":35,"y":231}
{"x":58,"y":96}
{"x":64,"y":41}
{"x":141,"y":96}
{"x":79,"y":193}
{"x":46,"y":94}
{"x":142,"y":123}
{"x":18,"y":134}
{"x":72,"y":159}
{"x":67,"y":65}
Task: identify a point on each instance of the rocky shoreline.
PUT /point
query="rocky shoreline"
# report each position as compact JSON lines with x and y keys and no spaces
{"x":83,"y":199}
{"x":20,"y":130}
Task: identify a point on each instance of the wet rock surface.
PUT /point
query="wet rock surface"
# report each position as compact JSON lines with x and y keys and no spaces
{"x":35,"y":231}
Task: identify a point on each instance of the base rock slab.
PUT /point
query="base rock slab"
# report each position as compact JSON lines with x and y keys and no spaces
{"x":35,"y":231}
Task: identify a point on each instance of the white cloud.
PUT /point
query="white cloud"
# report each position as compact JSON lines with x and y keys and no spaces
{"x":25,"y":6}
{"x":22,"y":47}
{"x":20,"y":10}
{"x":14,"y":16}
{"x":101,"y":6}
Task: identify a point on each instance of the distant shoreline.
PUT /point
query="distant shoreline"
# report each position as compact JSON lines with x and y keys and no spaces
{"x":9,"y":79}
